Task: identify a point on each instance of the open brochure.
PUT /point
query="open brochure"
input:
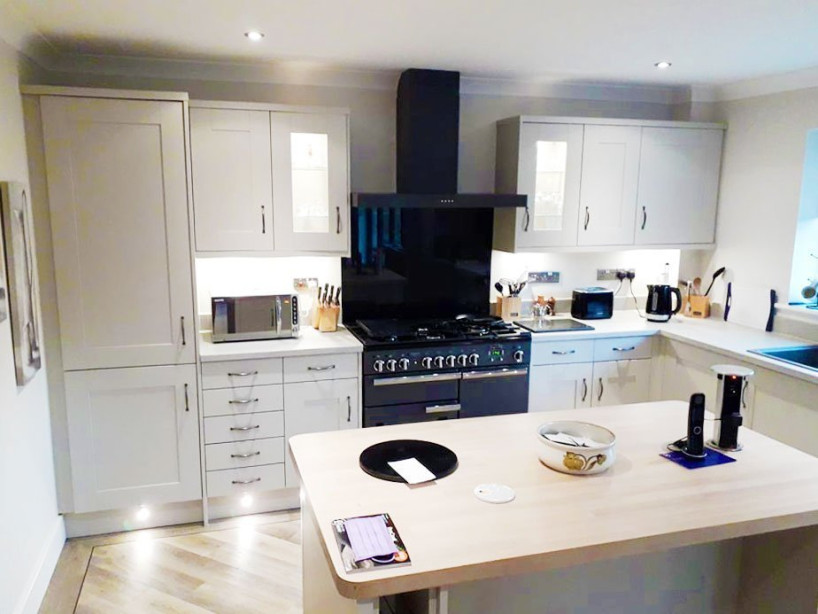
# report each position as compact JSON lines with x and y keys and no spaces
{"x":379,"y":526}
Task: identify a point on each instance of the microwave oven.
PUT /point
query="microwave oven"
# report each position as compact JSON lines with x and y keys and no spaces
{"x":253,"y":318}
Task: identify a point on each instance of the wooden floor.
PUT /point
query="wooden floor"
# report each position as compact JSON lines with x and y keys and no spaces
{"x":244,"y":565}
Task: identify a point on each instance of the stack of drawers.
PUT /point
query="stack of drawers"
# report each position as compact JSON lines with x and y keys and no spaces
{"x":243,"y":426}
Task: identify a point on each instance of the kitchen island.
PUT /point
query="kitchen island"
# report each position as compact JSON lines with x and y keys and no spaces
{"x":647,"y":535}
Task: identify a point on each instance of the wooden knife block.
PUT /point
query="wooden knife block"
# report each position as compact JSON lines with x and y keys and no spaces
{"x":698,"y":307}
{"x":508,"y":307}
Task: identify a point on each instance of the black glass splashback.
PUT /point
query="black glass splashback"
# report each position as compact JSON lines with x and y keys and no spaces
{"x":417,"y":263}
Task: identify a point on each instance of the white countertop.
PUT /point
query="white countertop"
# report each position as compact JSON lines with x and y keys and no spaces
{"x":310,"y":342}
{"x":709,"y":334}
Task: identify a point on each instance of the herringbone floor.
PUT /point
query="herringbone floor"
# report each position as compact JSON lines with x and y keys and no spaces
{"x":251,"y":565}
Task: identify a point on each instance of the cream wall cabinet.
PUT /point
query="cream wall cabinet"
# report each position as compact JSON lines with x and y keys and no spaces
{"x":117,"y":189}
{"x":133,"y":436}
{"x":606,"y":182}
{"x":269,"y":180}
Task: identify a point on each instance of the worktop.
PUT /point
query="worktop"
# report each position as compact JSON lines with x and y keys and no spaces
{"x":643,"y":504}
{"x":309,"y":343}
{"x":711,"y":334}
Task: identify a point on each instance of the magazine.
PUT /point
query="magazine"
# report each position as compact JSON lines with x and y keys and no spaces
{"x":398,"y":559}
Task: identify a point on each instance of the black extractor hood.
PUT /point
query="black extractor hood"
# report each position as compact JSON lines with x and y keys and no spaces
{"x":428,"y":127}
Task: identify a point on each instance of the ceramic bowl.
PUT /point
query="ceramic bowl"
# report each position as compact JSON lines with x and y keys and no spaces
{"x":577,"y":459}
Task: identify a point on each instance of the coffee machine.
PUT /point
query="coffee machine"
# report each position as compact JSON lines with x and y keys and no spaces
{"x":729,"y":401}
{"x":659,"y":307}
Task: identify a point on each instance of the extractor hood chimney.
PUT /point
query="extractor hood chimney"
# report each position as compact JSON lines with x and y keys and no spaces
{"x":428,"y":127}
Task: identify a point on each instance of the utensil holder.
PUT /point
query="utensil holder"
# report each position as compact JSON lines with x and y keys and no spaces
{"x":328,"y":319}
{"x":509,"y":307}
{"x":699,"y":307}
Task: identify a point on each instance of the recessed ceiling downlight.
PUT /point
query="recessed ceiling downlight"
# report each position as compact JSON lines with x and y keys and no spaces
{"x":662,"y":65}
{"x":254,"y":35}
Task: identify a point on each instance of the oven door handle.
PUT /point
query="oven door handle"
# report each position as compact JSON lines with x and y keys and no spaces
{"x":439,"y":409}
{"x":496,"y":373}
{"x":416,"y":379}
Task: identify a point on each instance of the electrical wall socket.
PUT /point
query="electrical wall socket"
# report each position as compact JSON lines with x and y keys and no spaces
{"x":544,"y":277}
{"x":606,"y":274}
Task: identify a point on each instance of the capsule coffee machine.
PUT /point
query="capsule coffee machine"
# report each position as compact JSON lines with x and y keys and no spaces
{"x":727,"y":409}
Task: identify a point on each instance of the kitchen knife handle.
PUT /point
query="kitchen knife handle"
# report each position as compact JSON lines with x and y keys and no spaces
{"x":587,"y":217}
{"x":644,"y":217}
{"x":527,"y":219}
{"x":584,"y":389}
{"x":601,"y":389}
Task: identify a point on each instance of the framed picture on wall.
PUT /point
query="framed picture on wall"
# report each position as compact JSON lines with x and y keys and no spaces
{"x":20,"y":278}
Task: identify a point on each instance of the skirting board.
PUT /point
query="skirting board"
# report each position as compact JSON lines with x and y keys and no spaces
{"x":35,"y":588}
{"x":113,"y":521}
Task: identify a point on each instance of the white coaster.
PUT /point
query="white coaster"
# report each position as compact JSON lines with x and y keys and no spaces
{"x":494,"y":493}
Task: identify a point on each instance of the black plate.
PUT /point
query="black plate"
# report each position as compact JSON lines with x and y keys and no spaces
{"x":438,"y":459}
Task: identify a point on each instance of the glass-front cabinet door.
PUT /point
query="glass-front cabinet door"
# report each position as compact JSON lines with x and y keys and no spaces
{"x":549,"y":173}
{"x":310,"y":181}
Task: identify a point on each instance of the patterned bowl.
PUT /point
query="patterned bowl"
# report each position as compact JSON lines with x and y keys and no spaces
{"x":569,"y":455}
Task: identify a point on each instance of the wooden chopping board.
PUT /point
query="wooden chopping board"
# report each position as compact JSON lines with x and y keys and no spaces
{"x":751,"y":305}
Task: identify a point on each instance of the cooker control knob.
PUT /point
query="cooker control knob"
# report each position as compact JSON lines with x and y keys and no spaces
{"x":426,"y":362}
{"x":439,"y":362}
{"x":378,"y":365}
{"x":518,"y":356}
{"x":391,"y":364}
{"x":474,"y":359}
{"x":450,"y":360}
{"x":403,"y":363}
{"x":462,"y":360}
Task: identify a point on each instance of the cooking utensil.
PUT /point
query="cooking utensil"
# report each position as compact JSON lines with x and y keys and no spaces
{"x":519,"y":288}
{"x":716,"y":275}
{"x":697,"y":286}
{"x":773,"y":299}
{"x":499,"y":287}
{"x":728,"y":302}
{"x":337,"y":301}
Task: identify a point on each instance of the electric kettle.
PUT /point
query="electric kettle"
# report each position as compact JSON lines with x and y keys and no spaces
{"x":659,"y":307}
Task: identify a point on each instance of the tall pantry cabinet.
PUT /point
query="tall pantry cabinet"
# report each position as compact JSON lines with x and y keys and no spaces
{"x":117,"y":185}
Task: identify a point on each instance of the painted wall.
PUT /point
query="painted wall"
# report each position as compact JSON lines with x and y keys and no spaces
{"x":31,"y":531}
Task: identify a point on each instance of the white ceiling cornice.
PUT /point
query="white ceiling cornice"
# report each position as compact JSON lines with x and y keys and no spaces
{"x":772,"y":84}
{"x":20,"y":34}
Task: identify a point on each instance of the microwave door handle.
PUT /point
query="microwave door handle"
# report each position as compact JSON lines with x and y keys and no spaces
{"x":278,"y":315}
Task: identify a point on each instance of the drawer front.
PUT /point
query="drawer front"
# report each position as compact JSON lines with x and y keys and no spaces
{"x":560,"y":352}
{"x":232,"y":401}
{"x":249,"y":453}
{"x":315,"y":368}
{"x":244,"y":373}
{"x":622,"y":348}
{"x":222,"y":429}
{"x":233,"y":482}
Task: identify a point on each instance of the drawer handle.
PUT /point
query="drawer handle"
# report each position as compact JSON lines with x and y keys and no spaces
{"x":245,"y":428}
{"x":326,"y":368}
{"x":584,"y":389}
{"x":563,"y":353}
{"x":630,"y":349}
{"x":246,"y":481}
{"x":242,"y":374}
{"x":439,"y":409}
{"x":349,"y":409}
{"x":242,"y":401}
{"x":248,"y":455}
{"x":601,"y":389}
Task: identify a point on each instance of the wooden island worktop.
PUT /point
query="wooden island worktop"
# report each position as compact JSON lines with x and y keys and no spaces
{"x":643,"y":504}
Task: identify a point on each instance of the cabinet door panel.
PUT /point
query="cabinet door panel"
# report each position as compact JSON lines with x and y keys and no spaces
{"x":310,"y":182}
{"x":678,"y":185}
{"x":555,"y":387}
{"x":232,"y":179}
{"x":785,"y":408}
{"x":118,"y":199}
{"x":312,"y":407}
{"x":549,"y":173}
{"x":619,"y":382}
{"x":610,"y":173}
{"x":133,"y":436}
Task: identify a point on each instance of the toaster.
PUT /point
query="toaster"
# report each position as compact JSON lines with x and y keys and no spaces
{"x":593,"y":303}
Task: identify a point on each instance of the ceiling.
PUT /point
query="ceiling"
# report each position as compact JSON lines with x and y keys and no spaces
{"x":709,"y":42}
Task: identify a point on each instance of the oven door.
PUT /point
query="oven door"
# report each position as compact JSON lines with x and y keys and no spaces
{"x":493,"y":392}
{"x":412,"y":412}
{"x":402,"y":389}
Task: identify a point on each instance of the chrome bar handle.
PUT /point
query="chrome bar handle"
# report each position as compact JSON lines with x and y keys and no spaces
{"x":601,"y":389}
{"x":493,"y":374}
{"x":349,"y":409}
{"x":584,"y":389}
{"x":242,"y":401}
{"x":246,"y":481}
{"x":439,"y":409}
{"x":278,"y":315}
{"x":187,"y":399}
{"x":248,"y":455}
{"x":563,"y":353}
{"x":184,"y":339}
{"x":629,"y":349}
{"x":325,"y":368}
{"x":644,"y":217}
{"x":338,"y":220}
{"x":743,"y":393}
{"x":527,"y":219}
{"x":242,"y":374}
{"x":415,"y":379}
{"x":245,"y":428}
{"x":263,"y":221}
{"x":587,"y":217}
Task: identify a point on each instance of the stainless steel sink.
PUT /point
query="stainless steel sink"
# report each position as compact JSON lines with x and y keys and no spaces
{"x":801,"y":355}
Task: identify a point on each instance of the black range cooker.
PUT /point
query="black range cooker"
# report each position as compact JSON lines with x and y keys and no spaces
{"x":422,"y":370}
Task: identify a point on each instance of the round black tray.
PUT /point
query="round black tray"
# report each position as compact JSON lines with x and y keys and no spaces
{"x":440,"y":460}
